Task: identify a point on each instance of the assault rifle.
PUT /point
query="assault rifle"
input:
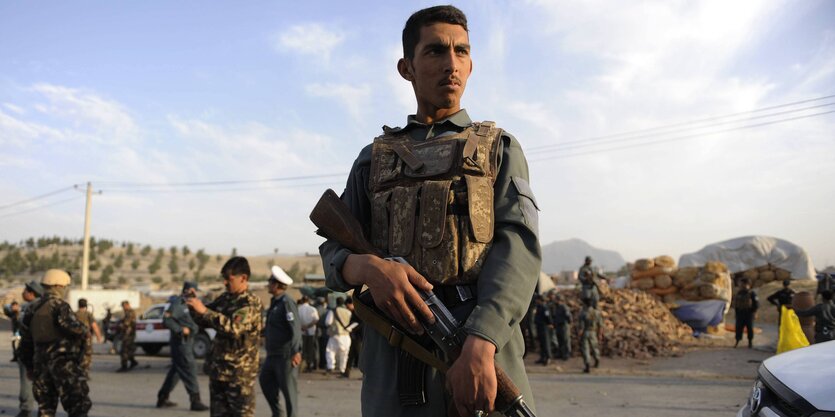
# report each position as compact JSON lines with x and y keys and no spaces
{"x":335,"y":221}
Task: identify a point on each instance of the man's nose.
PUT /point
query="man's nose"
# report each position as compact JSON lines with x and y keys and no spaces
{"x":451,"y":64}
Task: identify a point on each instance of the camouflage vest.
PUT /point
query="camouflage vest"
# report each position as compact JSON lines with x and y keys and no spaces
{"x":43,"y":326}
{"x":432,"y":201}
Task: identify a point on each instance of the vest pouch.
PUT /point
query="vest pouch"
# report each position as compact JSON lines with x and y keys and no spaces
{"x":437,"y":233}
{"x":380,"y":220}
{"x":402,"y":213}
{"x":385,"y":164}
{"x":437,"y":156}
{"x":480,"y":196}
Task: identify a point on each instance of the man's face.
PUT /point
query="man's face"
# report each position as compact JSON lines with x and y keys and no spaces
{"x":235,"y":284}
{"x":439,"y":69}
{"x":28,"y":296}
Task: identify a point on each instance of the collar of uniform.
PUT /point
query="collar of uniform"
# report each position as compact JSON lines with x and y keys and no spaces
{"x":421,"y":131}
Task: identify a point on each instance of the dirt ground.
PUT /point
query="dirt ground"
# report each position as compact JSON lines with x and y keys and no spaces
{"x":710,"y":379}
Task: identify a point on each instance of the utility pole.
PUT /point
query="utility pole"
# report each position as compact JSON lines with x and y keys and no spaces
{"x":85,"y":262}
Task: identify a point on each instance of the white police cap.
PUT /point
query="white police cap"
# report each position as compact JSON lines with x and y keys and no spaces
{"x":279,"y":275}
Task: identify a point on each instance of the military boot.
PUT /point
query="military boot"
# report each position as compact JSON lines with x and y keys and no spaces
{"x":586,"y":369}
{"x":596,"y":362}
{"x":133,"y":363}
{"x":123,"y":368}
{"x":196,"y":404}
{"x":164,"y":402}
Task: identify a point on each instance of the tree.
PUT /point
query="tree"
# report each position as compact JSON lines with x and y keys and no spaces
{"x":156,"y":279}
{"x":145,"y":250}
{"x":186,"y":251}
{"x":172,"y":265}
{"x":105,"y":274}
{"x":95,"y":266}
{"x":234,"y":252}
{"x":154,"y":266}
{"x":129,"y":250}
{"x":173,"y":251}
{"x":118,"y":262}
{"x":295,"y":272}
{"x":134,"y":264}
{"x":191,"y":264}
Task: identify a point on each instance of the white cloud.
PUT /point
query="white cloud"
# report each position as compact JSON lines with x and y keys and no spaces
{"x":14,"y":108}
{"x":355,"y":99}
{"x":309,"y":39}
{"x":18,"y":132}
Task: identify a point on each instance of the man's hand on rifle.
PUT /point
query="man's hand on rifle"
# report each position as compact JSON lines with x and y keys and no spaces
{"x":472,"y":377}
{"x":392,"y":286}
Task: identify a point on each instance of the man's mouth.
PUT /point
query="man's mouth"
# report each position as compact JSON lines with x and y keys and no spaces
{"x":454,"y":81}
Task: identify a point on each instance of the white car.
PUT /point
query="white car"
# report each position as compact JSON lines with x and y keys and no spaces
{"x":798,"y":383}
{"x":152,"y":336}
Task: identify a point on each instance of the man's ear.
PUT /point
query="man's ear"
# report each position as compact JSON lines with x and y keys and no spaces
{"x":404,"y":69}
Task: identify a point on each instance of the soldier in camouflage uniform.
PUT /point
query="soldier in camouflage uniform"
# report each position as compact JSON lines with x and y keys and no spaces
{"x":85,"y":316}
{"x":592,"y":329}
{"x":31,"y":291}
{"x":233,"y":363}
{"x":127,"y":328}
{"x":588,"y":282}
{"x":51,"y":349}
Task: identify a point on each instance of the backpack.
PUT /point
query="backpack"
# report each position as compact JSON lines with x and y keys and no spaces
{"x":742,"y":300}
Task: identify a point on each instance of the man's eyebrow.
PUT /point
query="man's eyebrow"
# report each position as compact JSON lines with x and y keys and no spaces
{"x":444,"y":45}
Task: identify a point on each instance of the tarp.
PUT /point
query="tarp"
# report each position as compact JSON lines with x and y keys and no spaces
{"x":545,"y":283}
{"x":744,"y":253}
{"x":700,"y":314}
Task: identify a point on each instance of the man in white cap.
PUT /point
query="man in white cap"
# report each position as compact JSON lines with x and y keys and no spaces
{"x":338,"y":321}
{"x":283,"y":344}
{"x":51,"y":347}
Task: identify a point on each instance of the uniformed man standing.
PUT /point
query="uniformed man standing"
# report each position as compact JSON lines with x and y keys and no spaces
{"x":233,"y":363}
{"x":177,"y":319}
{"x":309,"y":319}
{"x":588,"y":282}
{"x":824,"y":314}
{"x":283,"y":334}
{"x":85,"y":316}
{"x":825,"y":283}
{"x":745,"y":309}
{"x":356,"y":327}
{"x":339,"y":343}
{"x":31,"y":291}
{"x":782,"y":298}
{"x":561,"y":316}
{"x":451,"y":197}
{"x":544,"y":329}
{"x":51,"y":348}
{"x":591,"y":322}
{"x":127,"y":330}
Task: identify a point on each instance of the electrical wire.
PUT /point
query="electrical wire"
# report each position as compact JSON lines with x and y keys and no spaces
{"x":28,"y":200}
{"x":214,"y":183}
{"x":40,"y":207}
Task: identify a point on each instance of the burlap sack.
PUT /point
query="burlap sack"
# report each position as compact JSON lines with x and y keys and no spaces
{"x":782,"y":274}
{"x":663,"y":281}
{"x":767,"y":276}
{"x":666,"y":261}
{"x":652,"y":272}
{"x":751,"y":274}
{"x":685,"y":276}
{"x":644,"y":264}
{"x":709,"y":277}
{"x":715,"y":267}
{"x":669,"y":298}
{"x":690,"y":294}
{"x":764,"y":268}
{"x":663,"y":291}
{"x":709,"y":291}
{"x":644,"y":283}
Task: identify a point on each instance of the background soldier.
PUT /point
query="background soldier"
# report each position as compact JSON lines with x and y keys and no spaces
{"x":356,"y":328}
{"x":309,"y":319}
{"x":474,"y":242}
{"x":782,"y":298}
{"x":181,"y":342}
{"x":85,"y":316}
{"x":51,"y":349}
{"x":824,"y":314}
{"x":127,"y":330}
{"x":588,"y":282}
{"x":233,"y":363}
{"x":561,"y":316}
{"x":825,"y":283}
{"x":31,"y":291}
{"x":283,"y":344}
{"x":339,"y":342}
{"x":745,"y":308}
{"x":544,"y":329}
{"x":592,"y":329}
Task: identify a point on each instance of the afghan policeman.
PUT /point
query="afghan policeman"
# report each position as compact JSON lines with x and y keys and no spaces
{"x":588,"y":282}
{"x":283,"y":335}
{"x":52,"y":350}
{"x":591,"y":322}
{"x":233,"y":363}
{"x":452,"y":197}
{"x":31,"y":291}
{"x":782,"y":298}
{"x":561,"y":316}
{"x":824,"y":314}
{"x":746,"y":303}
{"x":544,"y":329}
{"x":179,"y":322}
{"x":127,"y":329}
{"x":85,"y":316}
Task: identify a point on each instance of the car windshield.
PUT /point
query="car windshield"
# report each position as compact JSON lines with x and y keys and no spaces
{"x":153,"y":313}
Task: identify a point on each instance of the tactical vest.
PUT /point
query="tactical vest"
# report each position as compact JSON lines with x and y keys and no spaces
{"x":432,"y":201}
{"x":43,"y":323}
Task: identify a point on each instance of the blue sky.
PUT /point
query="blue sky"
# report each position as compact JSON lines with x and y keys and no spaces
{"x":130,"y":93}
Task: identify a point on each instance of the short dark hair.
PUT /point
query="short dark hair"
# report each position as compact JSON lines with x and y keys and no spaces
{"x":425,"y":17}
{"x":237,"y":265}
{"x":826,"y":295}
{"x":82,"y":303}
{"x":340,"y":301}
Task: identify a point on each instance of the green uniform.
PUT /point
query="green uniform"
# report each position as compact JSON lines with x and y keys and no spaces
{"x":591,"y":321}
{"x":127,"y":329}
{"x":86,"y":318}
{"x":588,"y":285}
{"x":503,"y":288}
{"x":233,"y":362}
{"x":52,"y":349}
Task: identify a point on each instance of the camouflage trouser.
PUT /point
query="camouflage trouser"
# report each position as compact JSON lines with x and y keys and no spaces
{"x":128,"y":349}
{"x":88,"y":355}
{"x":589,"y":343}
{"x":232,"y":398}
{"x":60,"y":377}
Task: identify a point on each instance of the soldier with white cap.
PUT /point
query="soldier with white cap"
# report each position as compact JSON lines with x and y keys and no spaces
{"x":283,"y":335}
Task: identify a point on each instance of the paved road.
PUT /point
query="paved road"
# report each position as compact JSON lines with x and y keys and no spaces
{"x":557,"y":393}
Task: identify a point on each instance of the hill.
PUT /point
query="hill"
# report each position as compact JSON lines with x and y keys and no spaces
{"x":568,"y":255}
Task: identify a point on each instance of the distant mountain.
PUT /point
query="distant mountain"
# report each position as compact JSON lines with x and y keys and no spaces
{"x":567,"y":255}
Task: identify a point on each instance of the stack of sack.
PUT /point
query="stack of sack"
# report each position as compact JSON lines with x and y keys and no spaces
{"x":655,"y":276}
{"x":764,"y":274}
{"x":710,"y":282}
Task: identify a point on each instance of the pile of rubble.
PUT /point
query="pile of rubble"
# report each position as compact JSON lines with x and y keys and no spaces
{"x":636,"y":324}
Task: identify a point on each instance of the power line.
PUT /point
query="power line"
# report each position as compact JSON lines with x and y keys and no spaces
{"x":40,"y":207}
{"x":28,"y":200}
{"x":679,"y":138}
{"x":208,"y":190}
{"x":692,"y":122}
{"x":127,"y":184}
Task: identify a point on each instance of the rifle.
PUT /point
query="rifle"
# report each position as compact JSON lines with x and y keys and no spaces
{"x":335,"y":221}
